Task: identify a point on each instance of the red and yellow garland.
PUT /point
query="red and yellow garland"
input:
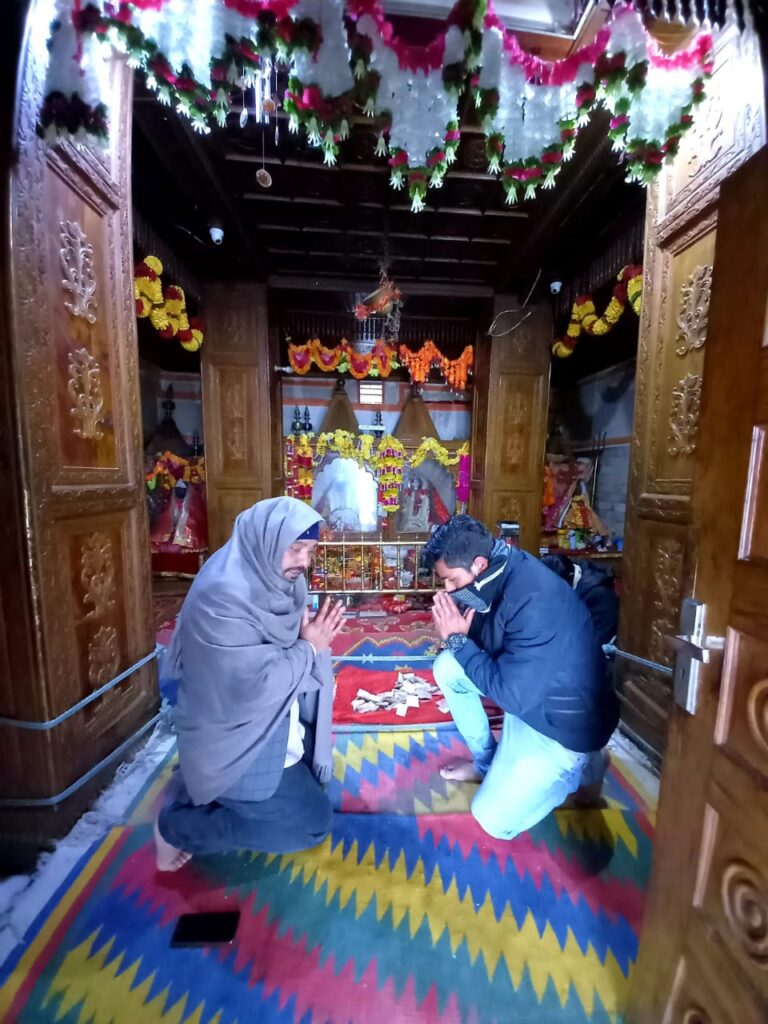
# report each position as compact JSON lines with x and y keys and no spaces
{"x":629,"y":287}
{"x":170,"y":468}
{"x":165,"y":307}
{"x":379,"y":362}
{"x":420,"y":362}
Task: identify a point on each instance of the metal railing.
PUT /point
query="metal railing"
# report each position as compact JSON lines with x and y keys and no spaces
{"x":379,"y":566}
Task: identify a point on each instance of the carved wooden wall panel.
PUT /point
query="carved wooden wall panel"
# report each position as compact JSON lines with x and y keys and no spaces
{"x":509,"y":425}
{"x":237,"y":404}
{"x":77,"y":426}
{"x":660,"y":556}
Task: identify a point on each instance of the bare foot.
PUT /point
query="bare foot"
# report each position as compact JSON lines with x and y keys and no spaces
{"x":168,"y":857}
{"x":462,"y":771}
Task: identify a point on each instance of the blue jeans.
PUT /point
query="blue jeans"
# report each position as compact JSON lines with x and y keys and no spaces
{"x":297,"y":816}
{"x":526,"y":774}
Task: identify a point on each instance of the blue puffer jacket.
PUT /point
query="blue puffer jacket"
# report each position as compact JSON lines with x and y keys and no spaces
{"x":535,"y":654}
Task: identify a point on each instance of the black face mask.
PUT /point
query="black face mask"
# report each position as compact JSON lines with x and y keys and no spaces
{"x":481,"y":594}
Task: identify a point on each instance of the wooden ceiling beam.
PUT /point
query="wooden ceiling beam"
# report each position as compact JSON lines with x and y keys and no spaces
{"x":382,"y":170}
{"x":480,"y":290}
{"x":464,"y":211}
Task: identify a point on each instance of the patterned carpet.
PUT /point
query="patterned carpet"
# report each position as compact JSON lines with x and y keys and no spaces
{"x":407,"y":914}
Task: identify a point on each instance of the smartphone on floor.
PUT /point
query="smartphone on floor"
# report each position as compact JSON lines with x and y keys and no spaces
{"x":213,"y":928}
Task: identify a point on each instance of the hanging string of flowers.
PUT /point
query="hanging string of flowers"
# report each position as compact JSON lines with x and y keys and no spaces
{"x":320,"y":86}
{"x":430,"y":448}
{"x":419,"y":363}
{"x":298,"y":467}
{"x":385,"y":459}
{"x":530,"y":108}
{"x":584,"y":318}
{"x":343,"y":358}
{"x":388,"y":462}
{"x":417,"y":90}
{"x":165,"y":307}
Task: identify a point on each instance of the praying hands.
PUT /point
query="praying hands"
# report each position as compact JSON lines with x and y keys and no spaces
{"x":447,"y":617}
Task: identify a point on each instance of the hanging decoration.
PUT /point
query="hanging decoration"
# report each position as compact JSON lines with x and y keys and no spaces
{"x":417,"y":90}
{"x":531,"y":109}
{"x":343,"y":55}
{"x":430,"y":448}
{"x":170,"y":468}
{"x":165,"y":307}
{"x":463,"y":480}
{"x":319,"y":96}
{"x":298,"y":467}
{"x":389,"y":461}
{"x":380,"y":302}
{"x":385,"y":459}
{"x":454,"y":371}
{"x":628,"y":289}
{"x":343,"y":358}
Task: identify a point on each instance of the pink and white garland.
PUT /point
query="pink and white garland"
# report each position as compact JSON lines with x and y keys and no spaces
{"x":320,"y":87}
{"x":200,"y":56}
{"x":417,"y":90}
{"x":531,"y":109}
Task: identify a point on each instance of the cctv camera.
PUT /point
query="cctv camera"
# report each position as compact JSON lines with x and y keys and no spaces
{"x":216,"y":231}
{"x":555,"y":287}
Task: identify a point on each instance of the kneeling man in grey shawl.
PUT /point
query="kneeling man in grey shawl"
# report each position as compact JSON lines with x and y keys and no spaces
{"x":255,"y":696}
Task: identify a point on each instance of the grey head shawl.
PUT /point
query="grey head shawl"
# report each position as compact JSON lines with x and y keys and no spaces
{"x":237,"y":653}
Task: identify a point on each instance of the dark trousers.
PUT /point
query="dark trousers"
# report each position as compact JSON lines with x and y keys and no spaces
{"x":296,"y":817}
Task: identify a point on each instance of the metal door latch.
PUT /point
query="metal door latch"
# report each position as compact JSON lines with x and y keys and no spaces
{"x":693,"y":648}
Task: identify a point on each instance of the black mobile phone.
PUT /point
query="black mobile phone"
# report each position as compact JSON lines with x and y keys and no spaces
{"x":208,"y":929}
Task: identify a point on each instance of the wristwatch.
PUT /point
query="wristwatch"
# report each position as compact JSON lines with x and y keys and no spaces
{"x":455,"y":642}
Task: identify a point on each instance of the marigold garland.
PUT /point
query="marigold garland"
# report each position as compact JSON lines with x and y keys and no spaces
{"x":455,"y":371}
{"x":170,"y":468}
{"x":430,"y":448}
{"x":385,"y":459}
{"x":629,"y":288}
{"x":165,"y":307}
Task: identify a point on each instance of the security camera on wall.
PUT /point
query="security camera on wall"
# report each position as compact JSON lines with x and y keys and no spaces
{"x":216,"y":231}
{"x":555,"y":287}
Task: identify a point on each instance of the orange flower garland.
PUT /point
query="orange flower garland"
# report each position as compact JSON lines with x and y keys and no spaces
{"x":454,"y":371}
{"x":629,"y":288}
{"x":166,"y":308}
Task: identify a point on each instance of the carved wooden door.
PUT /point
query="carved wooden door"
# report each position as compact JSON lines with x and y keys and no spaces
{"x":81,"y":606}
{"x":705,"y":942}
{"x":240,"y":427}
{"x":509,"y":417}
{"x":660,"y":556}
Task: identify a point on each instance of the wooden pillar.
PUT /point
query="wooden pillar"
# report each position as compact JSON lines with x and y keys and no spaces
{"x":681,"y":220}
{"x":240,"y":415}
{"x":75,"y":608}
{"x":509,"y":423}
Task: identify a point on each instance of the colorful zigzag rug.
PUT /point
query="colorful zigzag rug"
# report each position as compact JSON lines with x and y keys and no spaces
{"x":402,"y":916}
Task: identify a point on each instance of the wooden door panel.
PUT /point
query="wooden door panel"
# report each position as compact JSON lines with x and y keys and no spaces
{"x":82,"y":351}
{"x":742,"y":723}
{"x":681,"y":224}
{"x":731,"y":894}
{"x":754,"y":530}
{"x":237,"y":404}
{"x":710,"y":990}
{"x":678,"y":373}
{"x":73,"y":362}
{"x":239,"y":409}
{"x":708,"y":898}
{"x":509,"y":417}
{"x":729,"y":124}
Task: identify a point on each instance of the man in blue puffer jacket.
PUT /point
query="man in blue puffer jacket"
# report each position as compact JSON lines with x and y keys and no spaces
{"x":517,"y":634}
